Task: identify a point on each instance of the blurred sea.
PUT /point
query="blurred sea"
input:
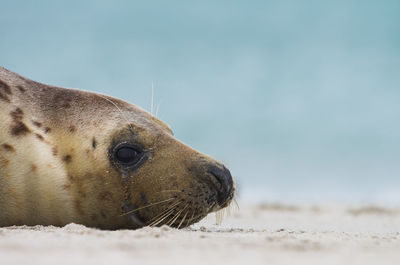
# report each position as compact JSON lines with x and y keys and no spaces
{"x":301,"y":99}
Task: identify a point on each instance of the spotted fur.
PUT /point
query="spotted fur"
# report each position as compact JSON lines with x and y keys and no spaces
{"x":56,"y":166}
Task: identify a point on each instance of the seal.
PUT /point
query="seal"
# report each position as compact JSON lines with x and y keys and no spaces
{"x":68,"y":156}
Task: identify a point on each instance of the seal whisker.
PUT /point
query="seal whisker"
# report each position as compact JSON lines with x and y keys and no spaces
{"x":219,"y":216}
{"x":167,"y":191}
{"x":201,"y":214}
{"x":191,"y":218}
{"x":177,"y":215}
{"x":156,"y":220}
{"x":173,"y":219}
{"x":162,"y":218}
{"x":165,"y":215}
{"x":168,"y":212}
{"x":197,"y":216}
{"x":152,"y":204}
{"x":183,"y":219}
{"x":236,"y":203}
{"x":158,"y":107}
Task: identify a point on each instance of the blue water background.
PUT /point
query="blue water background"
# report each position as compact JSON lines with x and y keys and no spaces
{"x":301,"y":99}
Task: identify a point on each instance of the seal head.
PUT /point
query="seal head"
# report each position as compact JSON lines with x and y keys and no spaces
{"x":73,"y":156}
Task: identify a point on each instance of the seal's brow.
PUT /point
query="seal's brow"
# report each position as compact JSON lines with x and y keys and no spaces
{"x":163,"y":125}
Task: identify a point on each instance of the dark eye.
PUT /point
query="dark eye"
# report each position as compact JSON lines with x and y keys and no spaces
{"x":126,"y":155}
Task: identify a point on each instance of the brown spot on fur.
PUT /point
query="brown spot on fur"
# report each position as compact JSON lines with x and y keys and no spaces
{"x":67,"y":158}
{"x":5,"y":90}
{"x":37,"y":124}
{"x":4,"y":97}
{"x":34,"y":168}
{"x":94,"y":143}
{"x":39,"y":137}
{"x":6,"y":162}
{"x":71,"y":178}
{"x":8,"y":147}
{"x":21,"y":88}
{"x":19,"y":129}
{"x":17,"y":114}
{"x":66,"y":186}
{"x":54,"y":151}
{"x":72,"y":129}
{"x":47,"y":130}
{"x":63,"y":100}
{"x":5,"y":87}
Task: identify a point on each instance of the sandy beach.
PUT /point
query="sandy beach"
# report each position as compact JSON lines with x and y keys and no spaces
{"x":253,"y":234}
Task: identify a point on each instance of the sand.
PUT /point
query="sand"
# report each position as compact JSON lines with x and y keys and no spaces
{"x":255,"y":234}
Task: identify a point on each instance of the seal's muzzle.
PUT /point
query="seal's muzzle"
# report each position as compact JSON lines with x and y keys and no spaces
{"x":225,"y":187}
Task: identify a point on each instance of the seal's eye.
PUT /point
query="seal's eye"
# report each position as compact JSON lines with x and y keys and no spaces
{"x":126,"y":155}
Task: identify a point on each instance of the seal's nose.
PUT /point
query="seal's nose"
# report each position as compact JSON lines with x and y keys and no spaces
{"x":224,"y":178}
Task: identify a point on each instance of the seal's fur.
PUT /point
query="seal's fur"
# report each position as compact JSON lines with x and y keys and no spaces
{"x":57,"y":162}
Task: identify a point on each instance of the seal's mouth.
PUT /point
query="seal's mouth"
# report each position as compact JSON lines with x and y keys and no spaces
{"x":135,"y":219}
{"x":132,"y":213}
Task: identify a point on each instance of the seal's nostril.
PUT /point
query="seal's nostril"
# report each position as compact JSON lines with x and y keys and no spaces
{"x":224,"y":178}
